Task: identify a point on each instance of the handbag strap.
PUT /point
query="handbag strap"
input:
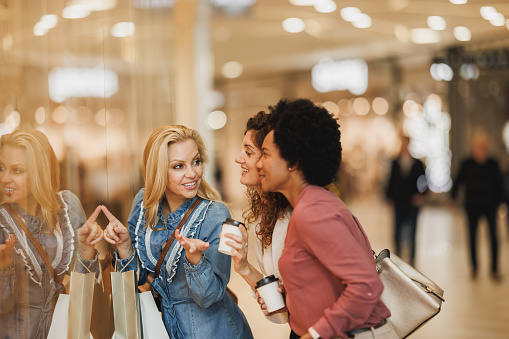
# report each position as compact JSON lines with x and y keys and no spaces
{"x":38,"y":246}
{"x":172,"y":238}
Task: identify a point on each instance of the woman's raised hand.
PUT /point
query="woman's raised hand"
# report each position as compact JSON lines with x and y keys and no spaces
{"x":6,"y":252}
{"x":88,"y":235}
{"x":117,"y":234}
{"x":193,"y":247}
{"x":239,"y":250}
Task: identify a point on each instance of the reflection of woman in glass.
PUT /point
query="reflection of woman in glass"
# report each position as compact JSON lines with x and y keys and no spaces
{"x":193,"y":277}
{"x":29,"y":176}
{"x":269,"y":212}
{"x":333,"y":289}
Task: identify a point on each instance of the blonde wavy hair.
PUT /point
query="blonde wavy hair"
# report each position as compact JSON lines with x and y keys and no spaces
{"x":43,"y":170}
{"x":156,"y":163}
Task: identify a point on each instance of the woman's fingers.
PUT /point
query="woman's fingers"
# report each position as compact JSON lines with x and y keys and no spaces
{"x":191,"y":245}
{"x":92,"y":227}
{"x":99,"y":236}
{"x":111,"y":233}
{"x":94,"y":215}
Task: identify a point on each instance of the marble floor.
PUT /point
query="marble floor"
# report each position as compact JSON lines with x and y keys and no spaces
{"x":473,"y":308}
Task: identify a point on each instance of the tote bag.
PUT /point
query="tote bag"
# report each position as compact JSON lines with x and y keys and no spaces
{"x":73,"y":312}
{"x":135,"y":314}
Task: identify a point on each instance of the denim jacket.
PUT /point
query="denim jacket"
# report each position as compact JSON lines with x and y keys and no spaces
{"x":28,"y":293}
{"x":194,"y":299}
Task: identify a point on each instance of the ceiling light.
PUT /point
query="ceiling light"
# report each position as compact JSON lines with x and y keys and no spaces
{"x":462,"y":33}
{"x":303,"y":2}
{"x":351,"y":75}
{"x":313,"y":27}
{"x":325,"y":6}
{"x":363,"y":21}
{"x":97,"y":82}
{"x":361,"y":106}
{"x":236,"y":3}
{"x":96,"y":5}
{"x":459,"y":2}
{"x":331,"y":107}
{"x":424,"y":36}
{"x":402,"y":33}
{"x":49,"y":21}
{"x":40,"y":115}
{"x":153,"y":3}
{"x":216,"y":120}
{"x":380,"y":106}
{"x":441,"y":72}
{"x":293,"y":25}
{"x":436,"y":23}
{"x":350,"y":13}
{"x":7,"y":42}
{"x":232,"y":69}
{"x":488,"y":12}
{"x":123,"y":29}
{"x":469,"y":72}
{"x":76,"y":12}
{"x":498,"y":20}
{"x":39,"y":29}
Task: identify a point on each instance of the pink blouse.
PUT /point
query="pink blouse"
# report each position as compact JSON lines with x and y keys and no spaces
{"x":328,"y":268}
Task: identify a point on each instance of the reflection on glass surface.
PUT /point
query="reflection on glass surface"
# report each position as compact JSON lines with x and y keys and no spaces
{"x":43,"y":232}
{"x":95,"y":97}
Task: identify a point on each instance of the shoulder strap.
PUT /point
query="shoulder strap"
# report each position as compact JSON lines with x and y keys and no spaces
{"x":172,"y":238}
{"x":21,"y":224}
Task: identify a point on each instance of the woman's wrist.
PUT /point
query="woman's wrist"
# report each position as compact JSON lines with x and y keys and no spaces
{"x":246,"y":270}
{"x":87,"y":252}
{"x":194,"y":258}
{"x":125,"y":251}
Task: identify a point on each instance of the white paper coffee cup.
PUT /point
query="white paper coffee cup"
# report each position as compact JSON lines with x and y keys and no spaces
{"x":229,"y":226}
{"x":267,"y":288}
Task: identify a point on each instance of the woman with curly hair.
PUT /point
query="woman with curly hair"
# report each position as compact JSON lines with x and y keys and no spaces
{"x":269,"y":213}
{"x":332,"y":286}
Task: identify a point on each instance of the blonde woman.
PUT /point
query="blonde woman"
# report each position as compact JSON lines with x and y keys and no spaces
{"x":29,"y":175}
{"x":193,"y":277}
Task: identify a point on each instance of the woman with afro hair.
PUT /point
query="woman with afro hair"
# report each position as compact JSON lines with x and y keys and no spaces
{"x":332,"y":287}
{"x":269,"y":213}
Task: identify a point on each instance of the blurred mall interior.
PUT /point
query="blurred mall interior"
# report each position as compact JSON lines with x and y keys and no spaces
{"x":98,"y":76}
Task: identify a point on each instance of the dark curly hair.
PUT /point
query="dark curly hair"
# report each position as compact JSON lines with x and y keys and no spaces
{"x":308,"y":136}
{"x":269,"y":207}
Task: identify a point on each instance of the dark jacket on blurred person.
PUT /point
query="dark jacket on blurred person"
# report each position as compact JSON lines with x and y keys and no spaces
{"x":482,"y":181}
{"x":405,"y":181}
{"x":405,"y":190}
{"x":481,"y":177}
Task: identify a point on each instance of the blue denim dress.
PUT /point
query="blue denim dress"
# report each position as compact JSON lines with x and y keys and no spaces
{"x":194,"y":299}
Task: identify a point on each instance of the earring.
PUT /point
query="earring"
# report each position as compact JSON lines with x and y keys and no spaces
{"x":290,"y":169}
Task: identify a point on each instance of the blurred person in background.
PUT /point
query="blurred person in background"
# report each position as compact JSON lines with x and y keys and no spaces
{"x":332,"y":287}
{"x":269,"y":213}
{"x":405,"y":193}
{"x":194,"y":274}
{"x":481,"y":178}
{"x":29,"y":289}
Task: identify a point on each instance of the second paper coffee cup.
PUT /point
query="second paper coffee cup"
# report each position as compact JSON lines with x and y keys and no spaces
{"x":267,"y":288}
{"x":229,"y":226}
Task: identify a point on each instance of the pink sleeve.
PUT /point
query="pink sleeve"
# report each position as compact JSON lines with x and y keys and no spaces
{"x":337,"y":243}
